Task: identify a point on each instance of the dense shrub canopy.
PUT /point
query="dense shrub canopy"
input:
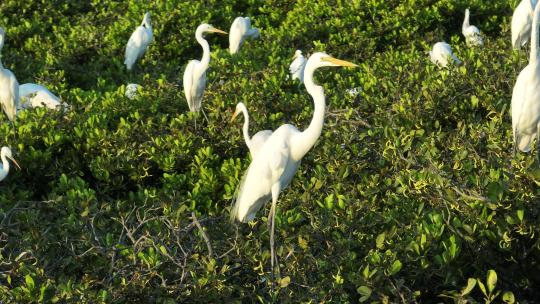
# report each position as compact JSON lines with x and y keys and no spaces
{"x":410,"y":193}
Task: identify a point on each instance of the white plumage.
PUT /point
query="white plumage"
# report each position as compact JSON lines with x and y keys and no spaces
{"x":5,"y":154}
{"x":138,"y":42}
{"x":526,"y":97}
{"x":472,"y":34}
{"x":256,"y":142}
{"x":240,"y":30}
{"x":34,"y":95}
{"x":195,"y":73}
{"x":441,"y":55}
{"x":274,"y":166}
{"x":297,"y":66}
{"x":521,"y":23}
{"x":132,"y":90}
{"x":9,"y":87}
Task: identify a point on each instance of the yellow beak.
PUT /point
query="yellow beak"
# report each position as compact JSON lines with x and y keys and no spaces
{"x":234,"y":116}
{"x":15,"y":162}
{"x":339,"y":62}
{"x":215,"y":30}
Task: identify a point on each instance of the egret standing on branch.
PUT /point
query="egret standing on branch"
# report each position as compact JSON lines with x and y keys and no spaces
{"x":9,"y":87}
{"x":526,"y":98}
{"x":5,"y":154}
{"x":138,"y":42}
{"x":273,"y":168}
{"x":472,"y":34}
{"x":195,"y":74}
{"x":240,"y":30}
{"x":297,"y":66}
{"x":257,"y":141}
{"x":521,"y":23}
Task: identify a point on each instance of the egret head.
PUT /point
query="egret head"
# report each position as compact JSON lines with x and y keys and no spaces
{"x":146,"y":20}
{"x":321,"y":59}
{"x":6,"y":151}
{"x":239,"y":108}
{"x":208,"y":28}
{"x":297,"y":54}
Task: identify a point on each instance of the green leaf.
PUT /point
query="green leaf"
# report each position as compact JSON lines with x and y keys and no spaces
{"x":29,"y":282}
{"x":284,"y":282}
{"x":380,"y":240}
{"x":396,"y":267}
{"x":470,"y":285}
{"x":365,"y":292}
{"x":491,"y":280}
{"x":508,"y":297}
{"x":482,"y":287}
{"x":520,"y":215}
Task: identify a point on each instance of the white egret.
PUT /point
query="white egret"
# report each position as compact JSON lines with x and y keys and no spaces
{"x":441,"y":54}
{"x":472,"y":34}
{"x":9,"y":87}
{"x":132,"y":89}
{"x":257,"y":141}
{"x":5,"y":154}
{"x":34,"y":95}
{"x":195,"y":73}
{"x":521,"y":23}
{"x":297,"y":66}
{"x":273,"y":168}
{"x":526,"y":97}
{"x":240,"y":30}
{"x":138,"y":42}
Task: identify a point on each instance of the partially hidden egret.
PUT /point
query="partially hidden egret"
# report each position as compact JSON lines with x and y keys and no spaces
{"x":472,"y":34}
{"x":256,"y":142}
{"x":5,"y":154}
{"x":441,"y":55}
{"x":132,"y":90}
{"x":9,"y":86}
{"x":195,"y":73}
{"x":241,"y":30}
{"x":521,"y":23}
{"x":526,"y":97}
{"x":274,"y":166}
{"x":34,"y":95}
{"x":138,"y":42}
{"x":297,"y":66}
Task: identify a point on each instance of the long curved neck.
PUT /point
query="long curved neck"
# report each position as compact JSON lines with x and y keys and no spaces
{"x":205,"y":60}
{"x":309,"y":136}
{"x":466,"y":23}
{"x":245,"y":128}
{"x":534,"y":35}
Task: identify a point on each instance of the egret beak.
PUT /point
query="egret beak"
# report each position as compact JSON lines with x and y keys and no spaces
{"x":234,"y":115}
{"x":215,"y":30}
{"x":15,"y":162}
{"x":339,"y":62}
{"x":295,"y":56}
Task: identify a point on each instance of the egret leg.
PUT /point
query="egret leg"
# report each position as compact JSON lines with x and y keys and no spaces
{"x":205,"y":116}
{"x":275,"y":194}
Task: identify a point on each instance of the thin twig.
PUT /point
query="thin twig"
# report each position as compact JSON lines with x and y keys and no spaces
{"x":203,"y":234}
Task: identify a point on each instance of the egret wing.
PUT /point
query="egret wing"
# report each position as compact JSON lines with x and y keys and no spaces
{"x":258,"y":140}
{"x":134,"y":47}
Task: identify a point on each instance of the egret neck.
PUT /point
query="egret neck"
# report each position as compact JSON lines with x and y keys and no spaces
{"x":534,"y":36}
{"x":303,"y":142}
{"x":205,"y":60}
